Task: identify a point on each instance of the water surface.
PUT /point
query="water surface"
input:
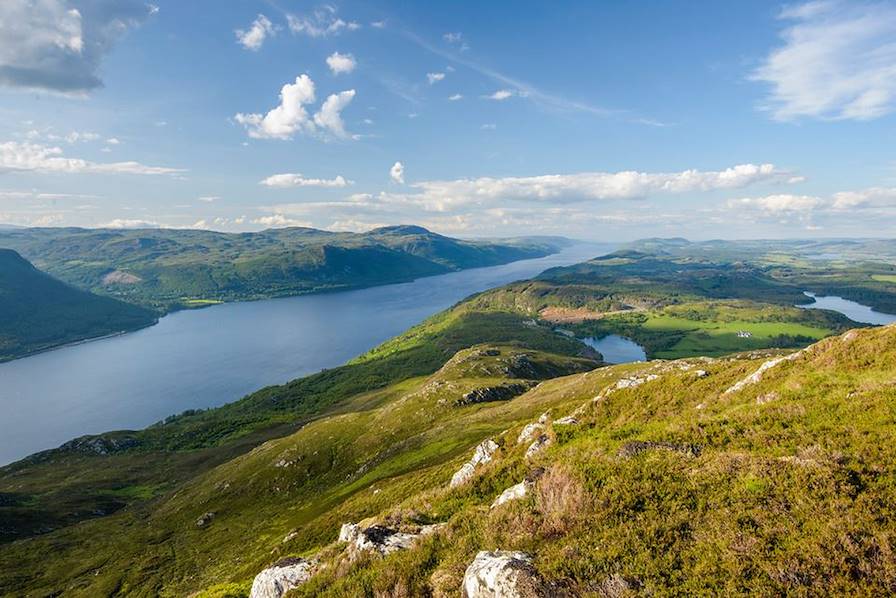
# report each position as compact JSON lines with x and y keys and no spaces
{"x":204,"y":358}
{"x":617,"y":349}
{"x":852,"y":310}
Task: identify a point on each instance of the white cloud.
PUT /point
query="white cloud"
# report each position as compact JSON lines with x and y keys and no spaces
{"x":778,"y":204}
{"x":297,"y":180}
{"x":838,"y":61}
{"x":453,"y":38}
{"x":561,"y":188}
{"x":341,"y":63}
{"x":113,"y":141}
{"x":208,"y":198}
{"x":58,"y":45}
{"x":397,"y":172}
{"x":501,"y":95}
{"x":321,"y":23}
{"x":434,"y":77}
{"x":253,"y":37}
{"x":489,"y":127}
{"x":76,"y":136}
{"x":329,"y":117}
{"x":378,"y":24}
{"x":455,"y":97}
{"x":16,"y":156}
{"x":873,"y":197}
{"x":291,"y":117}
{"x":280,"y":221}
{"x":129,"y":223}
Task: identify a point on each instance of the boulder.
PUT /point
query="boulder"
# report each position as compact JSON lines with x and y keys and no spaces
{"x":483,"y":454}
{"x":281,"y":577}
{"x":502,"y":574}
{"x":381,"y":539}
{"x":515,"y":492}
{"x":487,"y":394}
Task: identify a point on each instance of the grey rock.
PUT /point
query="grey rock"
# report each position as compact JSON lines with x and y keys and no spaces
{"x":502,"y":574}
{"x":282,"y":577}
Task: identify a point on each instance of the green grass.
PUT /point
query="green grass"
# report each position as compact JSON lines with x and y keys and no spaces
{"x":891,"y":278}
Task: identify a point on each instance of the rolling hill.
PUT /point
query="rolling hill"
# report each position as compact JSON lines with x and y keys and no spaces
{"x":167,"y":269}
{"x":39,"y":312}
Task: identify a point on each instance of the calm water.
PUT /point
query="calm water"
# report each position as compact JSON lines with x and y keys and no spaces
{"x":617,"y":349}
{"x":852,"y":310}
{"x":204,"y":358}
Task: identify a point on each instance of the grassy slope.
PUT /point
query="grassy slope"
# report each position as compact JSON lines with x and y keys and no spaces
{"x":790,"y":493}
{"x":171,"y":269}
{"x":39,"y":312}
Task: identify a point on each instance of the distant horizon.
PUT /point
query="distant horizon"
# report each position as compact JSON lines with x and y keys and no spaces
{"x":819,"y":238}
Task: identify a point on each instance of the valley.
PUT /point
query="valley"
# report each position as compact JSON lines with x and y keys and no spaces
{"x":375,"y":442}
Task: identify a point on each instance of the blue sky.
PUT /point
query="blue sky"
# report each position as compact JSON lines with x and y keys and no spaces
{"x":601,"y":120}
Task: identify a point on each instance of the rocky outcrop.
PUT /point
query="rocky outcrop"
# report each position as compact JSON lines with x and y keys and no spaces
{"x":569,"y":420}
{"x":381,"y":539}
{"x":515,"y":492}
{"x":760,"y":372}
{"x":538,"y":445}
{"x":534,"y":429}
{"x":636,"y":447}
{"x":205,"y":519}
{"x":482,"y":455}
{"x":100,"y":445}
{"x":502,"y":574}
{"x":281,"y":577}
{"x":486,"y":394}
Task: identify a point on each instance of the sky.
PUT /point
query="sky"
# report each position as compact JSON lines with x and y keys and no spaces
{"x":596,"y":120}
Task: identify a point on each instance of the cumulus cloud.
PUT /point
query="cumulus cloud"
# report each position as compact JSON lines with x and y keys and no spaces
{"x":280,"y":221}
{"x":341,"y":63}
{"x":16,"y":156}
{"x":434,"y":77}
{"x":397,"y":173}
{"x":560,"y":188}
{"x":290,"y":116}
{"x":253,"y":37}
{"x":329,"y":117}
{"x":322,"y":22}
{"x":455,"y":97}
{"x":297,"y":180}
{"x":838,"y":61}
{"x":58,"y":45}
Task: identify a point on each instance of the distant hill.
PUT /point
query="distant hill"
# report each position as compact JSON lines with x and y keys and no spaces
{"x":171,"y":269}
{"x":39,"y":312}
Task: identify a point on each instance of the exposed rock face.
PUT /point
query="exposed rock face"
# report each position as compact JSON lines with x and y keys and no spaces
{"x":502,"y":574}
{"x":502,"y":392}
{"x":381,"y":539}
{"x":121,"y":277}
{"x":540,"y":443}
{"x":759,"y":373}
{"x":281,"y":577}
{"x":630,"y":449}
{"x":569,"y":420}
{"x":530,"y":432}
{"x":483,"y":454}
{"x":100,"y":445}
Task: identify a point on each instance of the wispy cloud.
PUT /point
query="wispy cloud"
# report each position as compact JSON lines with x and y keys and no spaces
{"x":16,"y":156}
{"x":838,"y":61}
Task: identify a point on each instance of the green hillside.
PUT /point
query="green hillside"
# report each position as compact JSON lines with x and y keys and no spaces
{"x":169,"y":269}
{"x":749,"y":470}
{"x":39,"y":312}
